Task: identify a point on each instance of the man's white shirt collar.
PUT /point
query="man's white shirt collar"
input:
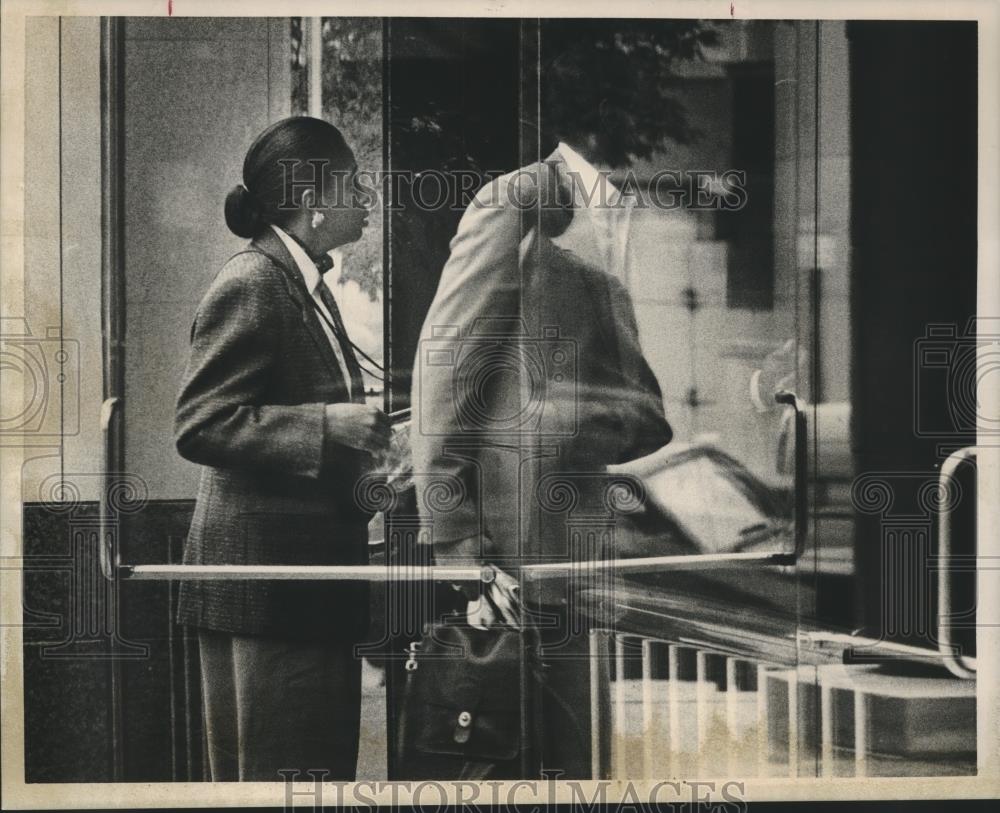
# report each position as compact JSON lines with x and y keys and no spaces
{"x":591,"y":178}
{"x":609,"y":213}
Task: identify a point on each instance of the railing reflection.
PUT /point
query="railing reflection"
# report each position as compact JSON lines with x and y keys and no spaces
{"x":665,"y":707}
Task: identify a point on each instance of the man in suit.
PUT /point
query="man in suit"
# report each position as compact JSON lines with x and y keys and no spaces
{"x":273,"y":408}
{"x":529,"y":380}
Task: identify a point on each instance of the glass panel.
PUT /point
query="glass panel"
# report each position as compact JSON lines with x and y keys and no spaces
{"x":713,"y":264}
{"x":342,"y":83}
{"x":711,"y":274}
{"x":704,"y":267}
{"x":725,"y":246}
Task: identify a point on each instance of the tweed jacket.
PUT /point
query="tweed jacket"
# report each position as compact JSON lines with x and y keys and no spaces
{"x":272,"y":491}
{"x":525,"y":287}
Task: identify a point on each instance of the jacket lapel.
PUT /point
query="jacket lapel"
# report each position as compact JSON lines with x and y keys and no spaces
{"x":270,"y":244}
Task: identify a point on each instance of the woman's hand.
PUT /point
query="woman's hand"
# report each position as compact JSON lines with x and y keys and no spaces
{"x":359,"y":426}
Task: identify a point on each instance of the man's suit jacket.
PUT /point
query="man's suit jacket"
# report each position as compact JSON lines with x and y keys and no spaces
{"x":251,"y":412}
{"x":542,"y":267}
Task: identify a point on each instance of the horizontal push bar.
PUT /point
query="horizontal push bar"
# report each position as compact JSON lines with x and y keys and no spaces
{"x":400,"y":573}
{"x":113,"y":568}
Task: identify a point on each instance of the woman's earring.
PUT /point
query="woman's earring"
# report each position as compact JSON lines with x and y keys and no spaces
{"x":318,"y":217}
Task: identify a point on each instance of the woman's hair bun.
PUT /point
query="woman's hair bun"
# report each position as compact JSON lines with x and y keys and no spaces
{"x":243,"y":214}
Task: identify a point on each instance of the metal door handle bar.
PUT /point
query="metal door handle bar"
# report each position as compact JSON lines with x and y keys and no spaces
{"x":383,"y":573}
{"x":959,"y":665}
{"x":110,"y":409}
{"x":801,"y":474}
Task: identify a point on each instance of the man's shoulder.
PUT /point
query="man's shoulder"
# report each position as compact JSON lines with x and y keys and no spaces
{"x":523,"y":186}
{"x":532,"y":191}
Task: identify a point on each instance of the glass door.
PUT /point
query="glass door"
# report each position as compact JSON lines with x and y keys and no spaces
{"x":761,"y":612}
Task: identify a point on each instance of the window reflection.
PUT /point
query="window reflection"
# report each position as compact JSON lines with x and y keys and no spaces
{"x":336,"y":70}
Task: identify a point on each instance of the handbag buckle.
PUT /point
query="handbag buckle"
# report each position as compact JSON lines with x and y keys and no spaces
{"x":464,"y":728}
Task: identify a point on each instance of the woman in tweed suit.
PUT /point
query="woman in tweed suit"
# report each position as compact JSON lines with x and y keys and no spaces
{"x":272,"y":407}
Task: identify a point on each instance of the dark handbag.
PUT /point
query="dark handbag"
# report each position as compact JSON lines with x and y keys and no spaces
{"x":467,"y":706}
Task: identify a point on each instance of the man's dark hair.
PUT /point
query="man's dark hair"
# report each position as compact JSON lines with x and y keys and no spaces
{"x":590,"y":92}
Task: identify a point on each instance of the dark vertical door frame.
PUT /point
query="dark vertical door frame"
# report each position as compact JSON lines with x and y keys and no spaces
{"x":390,"y":398}
{"x":113,"y":307}
{"x":113,"y":229}
{"x":918,"y":251}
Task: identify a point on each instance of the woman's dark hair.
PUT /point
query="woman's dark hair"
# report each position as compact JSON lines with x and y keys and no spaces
{"x":273,"y":160}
